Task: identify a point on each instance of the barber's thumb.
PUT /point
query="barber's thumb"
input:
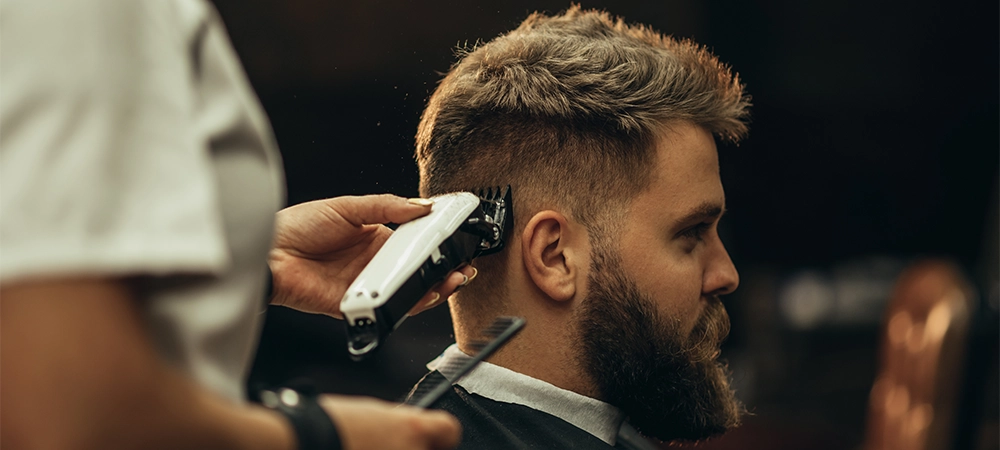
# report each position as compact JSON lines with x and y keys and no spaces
{"x":382,"y":208}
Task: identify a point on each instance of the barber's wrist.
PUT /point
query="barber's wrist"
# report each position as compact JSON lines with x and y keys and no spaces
{"x":313,"y":428}
{"x":280,"y":435}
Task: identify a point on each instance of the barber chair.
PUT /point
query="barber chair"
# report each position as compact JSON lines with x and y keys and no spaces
{"x":917,"y":389}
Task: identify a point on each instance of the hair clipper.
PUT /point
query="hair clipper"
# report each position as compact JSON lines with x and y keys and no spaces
{"x":419,"y":254}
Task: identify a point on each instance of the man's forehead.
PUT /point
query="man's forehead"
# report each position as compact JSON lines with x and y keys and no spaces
{"x":685,"y":179}
{"x":685,"y":152}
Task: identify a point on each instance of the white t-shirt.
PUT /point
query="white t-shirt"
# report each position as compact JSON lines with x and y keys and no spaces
{"x":131,"y":145}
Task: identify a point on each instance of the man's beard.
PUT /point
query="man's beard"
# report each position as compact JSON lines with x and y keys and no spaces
{"x":671,"y":387}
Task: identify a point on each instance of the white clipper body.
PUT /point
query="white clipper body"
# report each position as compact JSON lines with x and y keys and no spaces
{"x":419,"y":254}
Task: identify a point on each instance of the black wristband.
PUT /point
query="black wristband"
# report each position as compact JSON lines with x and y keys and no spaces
{"x":314,"y":429}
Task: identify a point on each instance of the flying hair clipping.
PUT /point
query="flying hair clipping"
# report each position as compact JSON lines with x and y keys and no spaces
{"x":421,"y":253}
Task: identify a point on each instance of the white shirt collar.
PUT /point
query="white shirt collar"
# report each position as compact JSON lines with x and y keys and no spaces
{"x":504,"y":385}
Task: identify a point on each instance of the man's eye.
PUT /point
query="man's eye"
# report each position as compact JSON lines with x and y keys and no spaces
{"x":696,"y":232}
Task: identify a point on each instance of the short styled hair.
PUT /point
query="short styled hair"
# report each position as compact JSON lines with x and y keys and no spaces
{"x":566,"y":109}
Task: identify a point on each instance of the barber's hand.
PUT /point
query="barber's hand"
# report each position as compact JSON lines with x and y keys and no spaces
{"x":320,"y":247}
{"x":369,"y":424}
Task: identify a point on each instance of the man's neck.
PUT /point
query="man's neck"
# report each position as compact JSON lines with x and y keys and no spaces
{"x":506,"y":386}
{"x":545,"y":349}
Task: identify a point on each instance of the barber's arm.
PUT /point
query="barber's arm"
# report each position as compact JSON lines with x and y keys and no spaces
{"x":61,"y":393}
{"x":105,"y":173}
{"x":80,"y":372}
{"x":70,"y":396}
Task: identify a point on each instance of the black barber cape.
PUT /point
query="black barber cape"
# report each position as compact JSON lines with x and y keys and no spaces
{"x":489,"y":424}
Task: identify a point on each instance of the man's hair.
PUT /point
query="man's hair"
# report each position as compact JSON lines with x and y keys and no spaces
{"x":566,"y":109}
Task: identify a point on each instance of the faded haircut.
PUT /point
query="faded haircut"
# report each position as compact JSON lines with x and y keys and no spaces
{"x":566,"y":109}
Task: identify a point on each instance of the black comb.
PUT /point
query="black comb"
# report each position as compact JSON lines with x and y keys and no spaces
{"x":494,"y":337}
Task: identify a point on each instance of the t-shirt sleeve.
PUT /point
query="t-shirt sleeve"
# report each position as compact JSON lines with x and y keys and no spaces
{"x":102,"y":168}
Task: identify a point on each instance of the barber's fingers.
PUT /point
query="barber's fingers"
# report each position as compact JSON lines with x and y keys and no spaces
{"x":378,"y":209}
{"x":442,"y":430}
{"x":433,"y":430}
{"x":441,"y":291}
{"x":370,"y":424}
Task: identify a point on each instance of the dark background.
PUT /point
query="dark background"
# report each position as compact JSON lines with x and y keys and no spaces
{"x":874,"y":143}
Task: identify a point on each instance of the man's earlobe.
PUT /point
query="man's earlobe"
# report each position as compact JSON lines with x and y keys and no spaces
{"x":548,"y":247}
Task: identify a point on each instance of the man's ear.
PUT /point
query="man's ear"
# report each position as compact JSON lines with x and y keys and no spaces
{"x":551,"y":254}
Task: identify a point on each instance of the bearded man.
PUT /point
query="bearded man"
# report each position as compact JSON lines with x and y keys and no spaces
{"x":606,"y":133}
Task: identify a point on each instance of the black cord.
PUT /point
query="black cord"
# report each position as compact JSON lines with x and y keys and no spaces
{"x":269,"y":286}
{"x":314,"y":429}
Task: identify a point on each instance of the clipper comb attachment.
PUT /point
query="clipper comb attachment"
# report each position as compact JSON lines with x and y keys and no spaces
{"x":492,"y":338}
{"x":491,"y":222}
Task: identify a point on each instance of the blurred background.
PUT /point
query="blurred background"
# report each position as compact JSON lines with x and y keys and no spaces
{"x":874,"y":145}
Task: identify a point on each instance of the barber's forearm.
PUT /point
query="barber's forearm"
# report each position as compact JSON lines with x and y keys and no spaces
{"x":172,"y":417}
{"x":188,"y":416}
{"x":78,"y":371}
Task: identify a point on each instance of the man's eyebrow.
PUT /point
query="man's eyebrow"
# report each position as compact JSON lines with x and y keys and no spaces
{"x":702,"y":212}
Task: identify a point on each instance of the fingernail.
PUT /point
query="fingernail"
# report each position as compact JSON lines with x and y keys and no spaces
{"x":434,"y":301}
{"x":468,"y":278}
{"x":419,"y":201}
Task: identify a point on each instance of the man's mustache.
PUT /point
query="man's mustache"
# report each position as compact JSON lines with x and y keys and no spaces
{"x":709,"y":332}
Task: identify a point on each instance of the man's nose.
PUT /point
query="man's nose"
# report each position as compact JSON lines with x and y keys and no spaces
{"x":720,"y":277}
